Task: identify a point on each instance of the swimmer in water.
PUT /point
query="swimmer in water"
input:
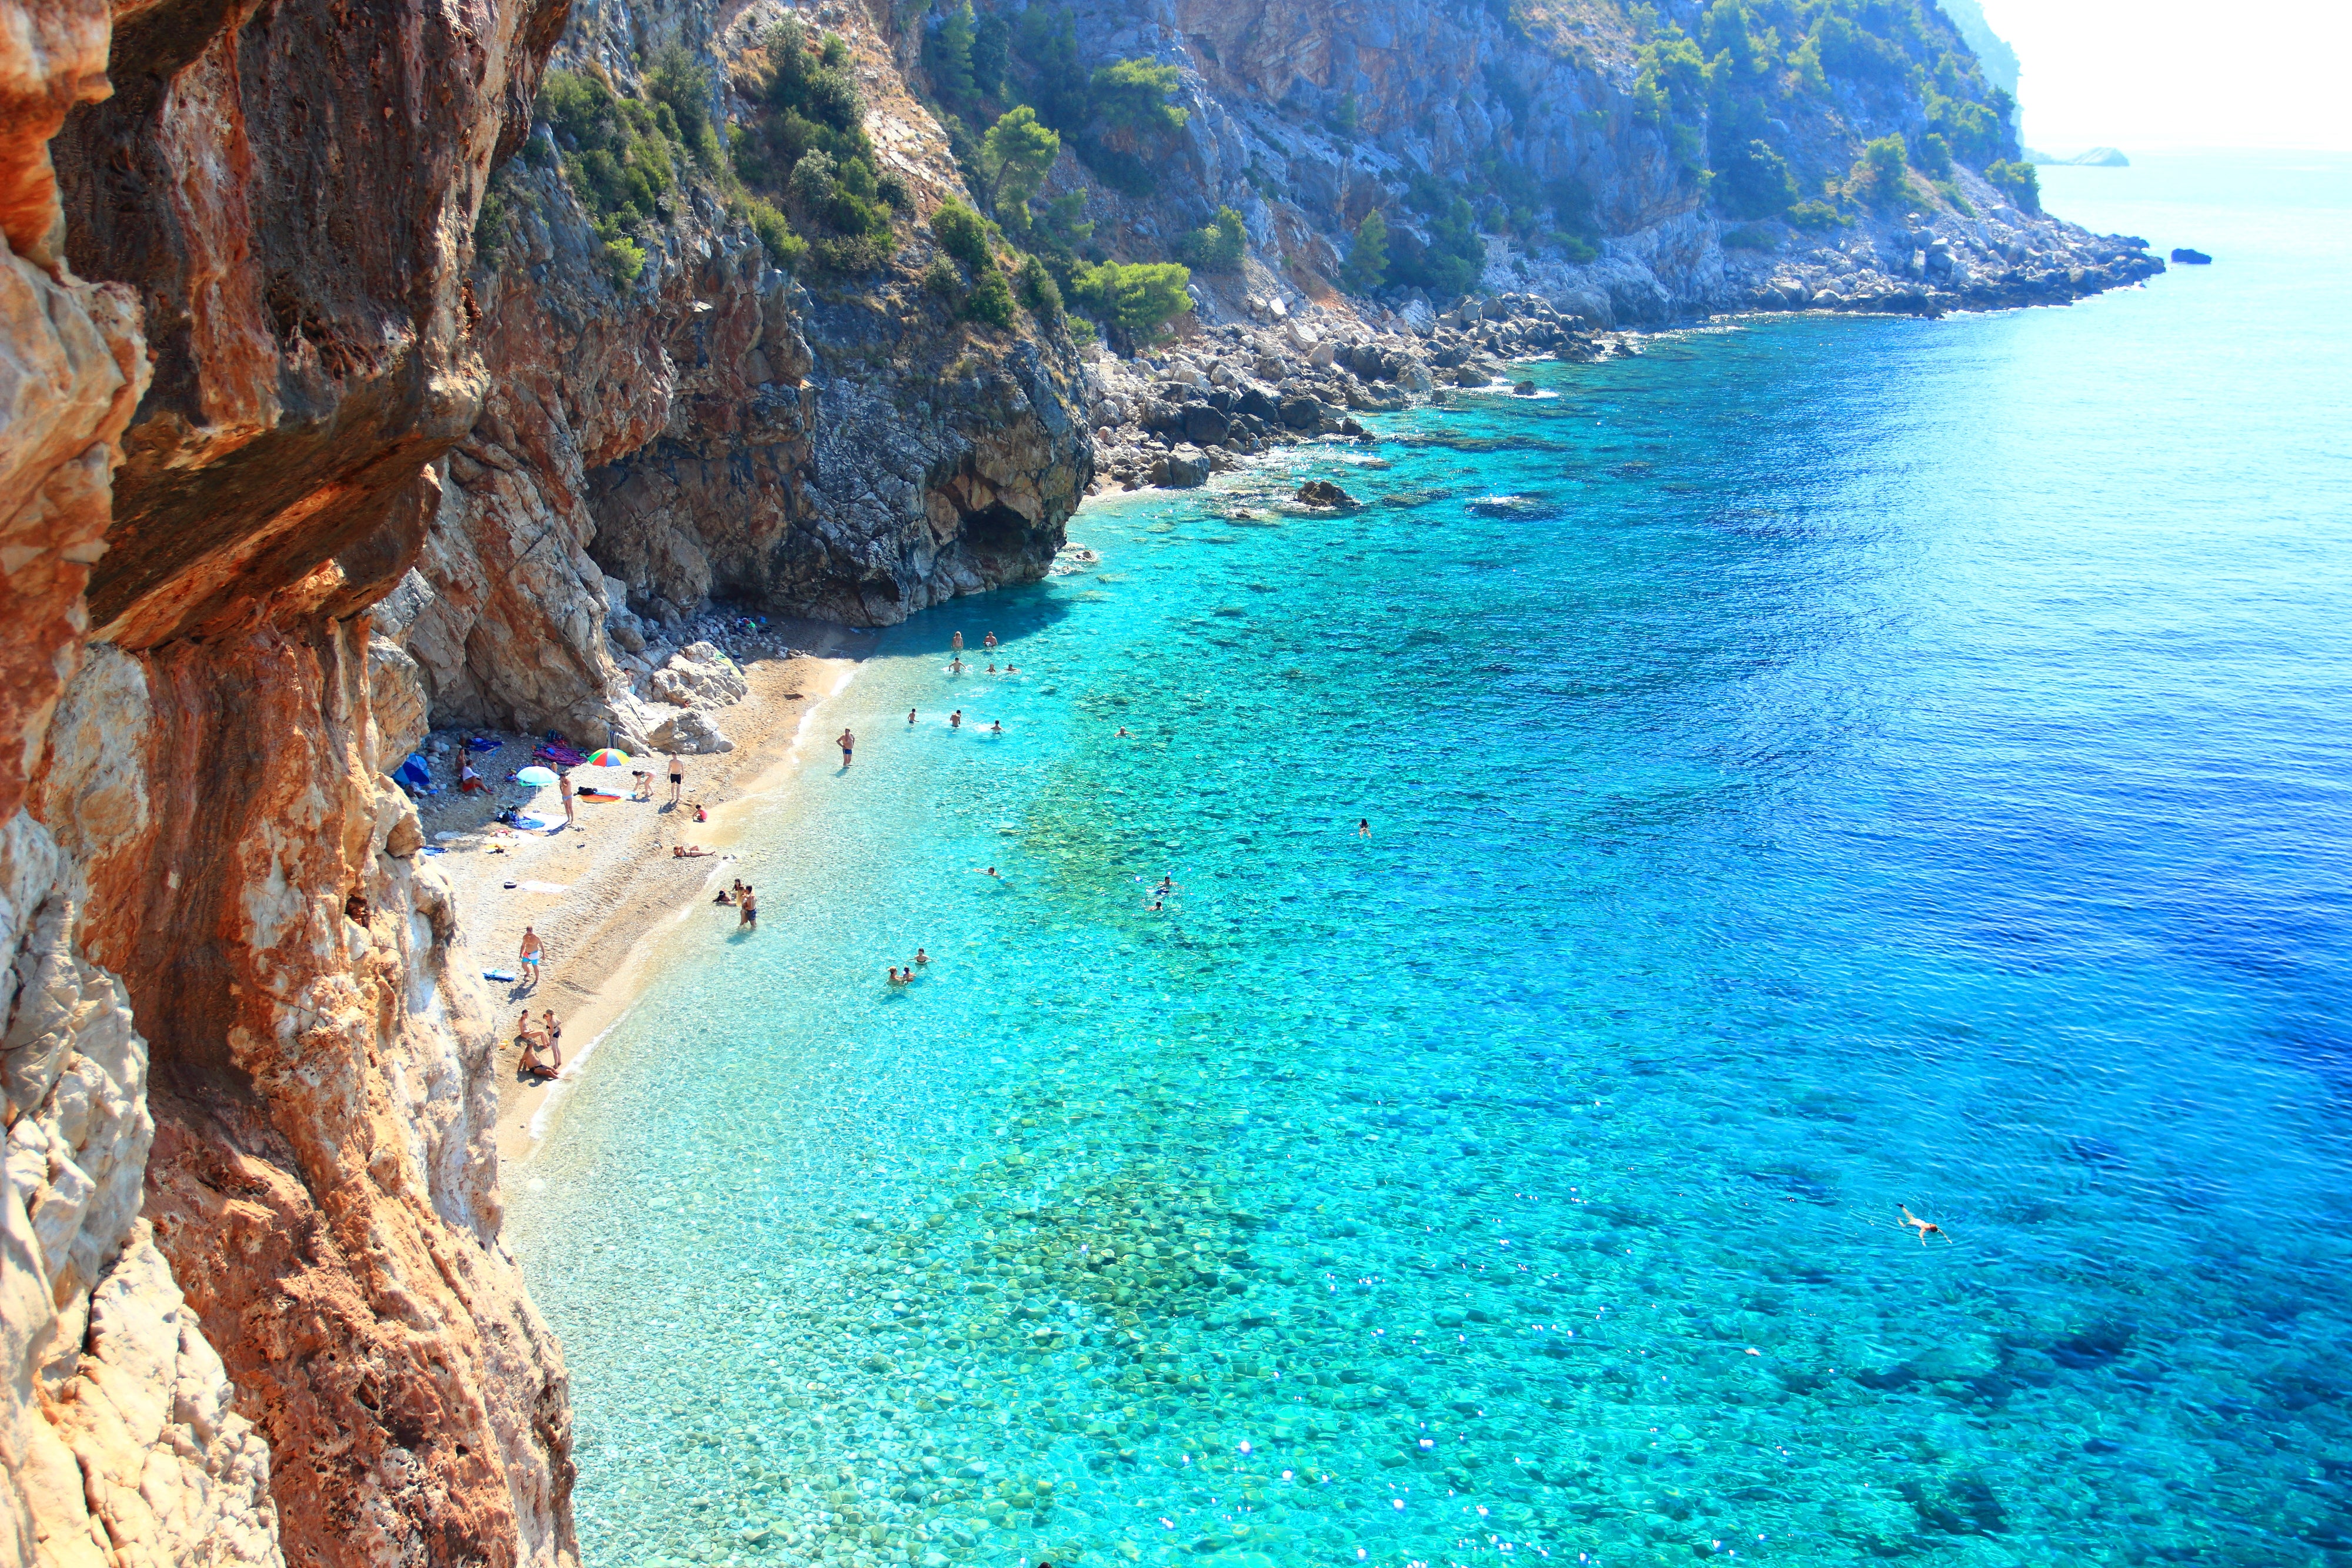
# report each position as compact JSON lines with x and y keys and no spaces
{"x":910,"y":715}
{"x":990,"y":872}
{"x":955,"y":666}
{"x":1926,"y":1229}
{"x":922,"y":956}
{"x":992,"y":666}
{"x":996,"y":729}
{"x":955,"y":719}
{"x":1364,"y":827}
{"x":1122,"y":734}
{"x":959,"y":642}
{"x":989,"y":641}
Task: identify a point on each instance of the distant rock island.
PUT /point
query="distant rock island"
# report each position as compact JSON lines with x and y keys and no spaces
{"x":2096,"y":158}
{"x":2189,"y":258}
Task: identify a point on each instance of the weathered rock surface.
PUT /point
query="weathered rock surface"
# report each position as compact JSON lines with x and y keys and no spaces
{"x":311,"y":1347}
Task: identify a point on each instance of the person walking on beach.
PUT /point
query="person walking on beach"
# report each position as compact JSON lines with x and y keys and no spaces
{"x":847,"y":743}
{"x":677,"y":777}
{"x":533,"y":949}
{"x":563,"y":782}
{"x":748,"y":903}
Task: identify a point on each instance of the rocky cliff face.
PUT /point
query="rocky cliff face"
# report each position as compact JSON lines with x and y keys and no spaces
{"x":1600,"y":151}
{"x":256,"y":1308}
{"x":716,"y":431}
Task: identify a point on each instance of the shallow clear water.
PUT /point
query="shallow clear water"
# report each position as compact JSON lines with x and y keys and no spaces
{"x":1811,"y":768}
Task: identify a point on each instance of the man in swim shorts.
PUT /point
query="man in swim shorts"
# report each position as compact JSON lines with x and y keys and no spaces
{"x":748,"y":904}
{"x":532,"y":949}
{"x":847,"y":743}
{"x":677,"y":777}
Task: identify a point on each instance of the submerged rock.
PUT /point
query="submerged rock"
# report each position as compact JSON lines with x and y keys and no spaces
{"x":1323,"y":493}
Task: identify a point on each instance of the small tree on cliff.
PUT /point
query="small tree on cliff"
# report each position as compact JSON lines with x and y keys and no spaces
{"x":1368,"y":256}
{"x":1016,"y":156}
{"x":1880,"y":177}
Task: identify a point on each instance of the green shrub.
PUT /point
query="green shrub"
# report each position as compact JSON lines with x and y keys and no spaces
{"x":684,"y":89}
{"x":1132,"y":95}
{"x":940,"y":279}
{"x":1879,"y":177}
{"x":1218,"y":247}
{"x":1039,"y":294}
{"x":625,"y":259}
{"x":1817,"y":216}
{"x":622,"y":161}
{"x":2018,"y":182}
{"x":947,"y":56}
{"x":1455,"y":258}
{"x":1951,"y":191}
{"x":991,"y":300}
{"x":962,"y":234}
{"x":1368,"y":254}
{"x":1138,"y":298}
{"x":852,"y":253}
{"x":491,"y":225}
{"x":1934,"y":158}
{"x":1750,"y":236}
{"x":785,"y":249}
{"x":1754,"y":182}
{"x":1577,"y":248}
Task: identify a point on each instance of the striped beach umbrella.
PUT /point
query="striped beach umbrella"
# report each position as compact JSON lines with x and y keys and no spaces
{"x":608,"y":758}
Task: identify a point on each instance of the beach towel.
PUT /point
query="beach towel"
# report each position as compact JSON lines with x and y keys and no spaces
{"x":498,"y":974}
{"x":597,"y":795}
{"x":481,"y":743}
{"x":560,"y":755}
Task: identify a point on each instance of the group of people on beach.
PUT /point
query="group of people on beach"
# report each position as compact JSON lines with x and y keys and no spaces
{"x":743,"y":900}
{"x":542,"y":1044}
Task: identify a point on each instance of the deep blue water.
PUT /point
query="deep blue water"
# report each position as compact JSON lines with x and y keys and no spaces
{"x":1816,"y":766}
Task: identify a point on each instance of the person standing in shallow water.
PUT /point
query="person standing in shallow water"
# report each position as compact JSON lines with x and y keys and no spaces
{"x":848,"y":743}
{"x":959,"y":642}
{"x":748,"y":903}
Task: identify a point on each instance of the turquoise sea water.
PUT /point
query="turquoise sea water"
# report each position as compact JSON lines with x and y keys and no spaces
{"x":1816,"y":766}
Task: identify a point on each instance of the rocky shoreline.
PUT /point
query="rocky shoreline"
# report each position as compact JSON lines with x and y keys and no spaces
{"x":1222,"y":393}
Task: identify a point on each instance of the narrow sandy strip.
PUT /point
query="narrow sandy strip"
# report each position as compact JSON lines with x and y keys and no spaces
{"x":600,"y":896}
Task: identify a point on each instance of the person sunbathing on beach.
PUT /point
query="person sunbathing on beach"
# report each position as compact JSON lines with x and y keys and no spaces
{"x":687,"y":851}
{"x":1926,"y":1229}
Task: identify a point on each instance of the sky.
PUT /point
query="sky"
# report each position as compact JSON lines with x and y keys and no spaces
{"x":2153,"y":74}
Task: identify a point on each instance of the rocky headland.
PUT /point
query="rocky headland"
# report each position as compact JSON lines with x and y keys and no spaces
{"x":519,"y":365}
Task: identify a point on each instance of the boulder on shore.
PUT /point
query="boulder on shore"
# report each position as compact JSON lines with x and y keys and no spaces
{"x":1323,"y":493}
